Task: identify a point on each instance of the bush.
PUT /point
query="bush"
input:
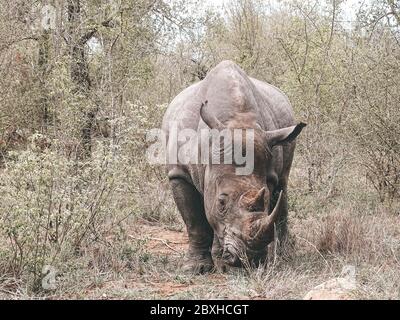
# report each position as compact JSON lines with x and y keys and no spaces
{"x":56,"y":207}
{"x":52,"y":207}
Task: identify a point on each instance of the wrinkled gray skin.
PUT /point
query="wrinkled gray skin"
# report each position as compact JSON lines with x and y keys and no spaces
{"x":225,"y":214}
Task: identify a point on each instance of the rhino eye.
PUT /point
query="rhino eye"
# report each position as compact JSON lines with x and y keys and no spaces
{"x":222,"y":201}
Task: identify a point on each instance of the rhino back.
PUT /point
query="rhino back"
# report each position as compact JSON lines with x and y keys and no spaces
{"x":184,"y":109}
{"x":275,"y":104}
{"x":229,"y":91}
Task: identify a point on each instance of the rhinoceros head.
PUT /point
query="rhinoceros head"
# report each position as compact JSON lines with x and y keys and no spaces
{"x":243,"y":209}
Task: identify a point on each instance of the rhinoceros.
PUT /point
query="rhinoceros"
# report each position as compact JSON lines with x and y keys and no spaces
{"x":229,"y":217}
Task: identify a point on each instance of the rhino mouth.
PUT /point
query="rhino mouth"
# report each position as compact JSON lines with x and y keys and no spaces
{"x":248,"y":257}
{"x":237,"y":253}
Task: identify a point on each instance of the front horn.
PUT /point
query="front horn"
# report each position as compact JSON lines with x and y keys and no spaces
{"x":264,"y":225}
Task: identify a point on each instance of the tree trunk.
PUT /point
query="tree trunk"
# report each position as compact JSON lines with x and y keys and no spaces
{"x":43,"y":63}
{"x":80,"y":72}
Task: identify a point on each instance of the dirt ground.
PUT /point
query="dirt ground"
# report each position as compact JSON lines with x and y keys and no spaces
{"x":159,"y":281}
{"x":149,"y":266}
{"x":158,"y":273}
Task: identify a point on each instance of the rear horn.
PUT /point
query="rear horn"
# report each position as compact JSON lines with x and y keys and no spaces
{"x":210,"y":120}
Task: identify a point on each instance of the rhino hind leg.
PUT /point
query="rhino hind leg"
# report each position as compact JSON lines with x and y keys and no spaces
{"x":190,"y":205}
{"x":282,"y":236}
{"x":285,"y":243}
{"x":281,"y":224}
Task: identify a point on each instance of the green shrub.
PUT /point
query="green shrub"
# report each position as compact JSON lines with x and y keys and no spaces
{"x":52,"y":207}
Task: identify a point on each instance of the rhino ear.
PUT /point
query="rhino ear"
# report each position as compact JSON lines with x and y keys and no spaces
{"x":281,"y":136}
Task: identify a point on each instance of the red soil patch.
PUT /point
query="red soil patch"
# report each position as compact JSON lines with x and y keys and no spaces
{"x":161,"y":240}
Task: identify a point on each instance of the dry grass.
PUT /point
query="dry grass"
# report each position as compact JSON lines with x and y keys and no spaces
{"x":350,"y":228}
{"x":149,"y":267}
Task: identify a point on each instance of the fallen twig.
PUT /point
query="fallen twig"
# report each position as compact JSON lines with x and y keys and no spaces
{"x":164,"y":242}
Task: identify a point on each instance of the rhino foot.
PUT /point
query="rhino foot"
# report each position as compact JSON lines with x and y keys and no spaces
{"x":198,"y":265}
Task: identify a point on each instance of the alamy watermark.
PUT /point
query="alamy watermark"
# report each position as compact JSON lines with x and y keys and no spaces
{"x":206,"y":146}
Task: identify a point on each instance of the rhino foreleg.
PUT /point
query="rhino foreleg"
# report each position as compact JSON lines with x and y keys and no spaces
{"x":190,"y":205}
{"x":216,"y":253}
{"x":281,"y":225}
